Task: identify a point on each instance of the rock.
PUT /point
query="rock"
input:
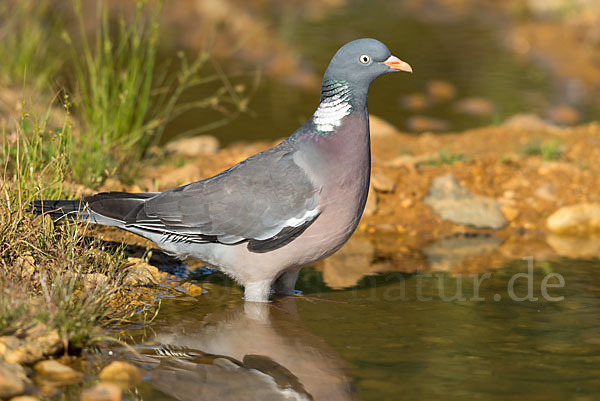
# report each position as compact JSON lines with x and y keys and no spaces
{"x":422,"y":124}
{"x":441,"y":91}
{"x":125,"y":374}
{"x":13,"y":380}
{"x":510,"y":212}
{"x":406,"y":203}
{"x":7,"y":344}
{"x":371,"y":206}
{"x":475,"y":106}
{"x":54,"y":371}
{"x":380,"y":127}
{"x":527,"y":122}
{"x":447,"y":254}
{"x":191,"y":289}
{"x":24,"y":398}
{"x":102,"y":392}
{"x":25,"y":354}
{"x":453,"y":202}
{"x":564,"y":115}
{"x":92,"y":281}
{"x":575,"y":247}
{"x":414,"y":102}
{"x":142,"y":274}
{"x":195,"y":146}
{"x":182,"y":175}
{"x":382,"y":183}
{"x":579,"y":219}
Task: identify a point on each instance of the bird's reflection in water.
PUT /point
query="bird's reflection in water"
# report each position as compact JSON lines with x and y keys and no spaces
{"x":256,"y":352}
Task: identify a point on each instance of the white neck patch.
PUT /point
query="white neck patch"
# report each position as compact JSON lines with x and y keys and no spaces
{"x":335,"y":105}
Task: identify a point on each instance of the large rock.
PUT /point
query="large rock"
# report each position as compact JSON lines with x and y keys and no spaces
{"x":53,"y":371}
{"x":123,"y":374}
{"x":13,"y":380}
{"x":579,"y":219}
{"x":453,"y":202}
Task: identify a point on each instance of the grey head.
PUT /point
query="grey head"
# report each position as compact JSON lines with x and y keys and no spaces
{"x":360,"y":62}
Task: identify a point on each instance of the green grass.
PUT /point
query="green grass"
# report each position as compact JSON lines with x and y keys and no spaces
{"x":124,"y":98}
{"x":444,"y":157}
{"x":26,"y":53}
{"x":43,"y":268}
{"x":549,"y":150}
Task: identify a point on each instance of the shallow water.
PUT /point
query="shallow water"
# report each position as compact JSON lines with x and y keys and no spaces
{"x":468,"y":51}
{"x":392,"y":336}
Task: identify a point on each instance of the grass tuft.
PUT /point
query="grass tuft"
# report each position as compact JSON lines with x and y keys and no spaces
{"x":549,"y":150}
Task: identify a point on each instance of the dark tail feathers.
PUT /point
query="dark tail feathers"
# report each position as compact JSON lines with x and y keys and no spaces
{"x":114,"y":205}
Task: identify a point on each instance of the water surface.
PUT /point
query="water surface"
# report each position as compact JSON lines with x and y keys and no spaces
{"x":392,"y":336}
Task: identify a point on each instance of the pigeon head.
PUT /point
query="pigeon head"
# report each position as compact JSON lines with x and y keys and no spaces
{"x":361,"y":61}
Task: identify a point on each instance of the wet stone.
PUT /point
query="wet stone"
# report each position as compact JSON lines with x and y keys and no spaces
{"x":52,"y":370}
{"x":13,"y":380}
{"x":124,"y":374}
{"x":102,"y":392}
{"x":453,"y":202}
{"x":142,"y":274}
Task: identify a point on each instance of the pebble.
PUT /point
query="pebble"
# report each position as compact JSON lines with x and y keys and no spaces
{"x":142,"y":274}
{"x":441,"y":91}
{"x":102,"y":392}
{"x":414,"y":102}
{"x":453,"y":202}
{"x":475,"y":106}
{"x":194,"y":146}
{"x":382,"y":183}
{"x":125,"y":374}
{"x":57,"y":372}
{"x":579,"y":219}
{"x":191,"y":289}
{"x":422,"y":124}
{"x":510,"y":213}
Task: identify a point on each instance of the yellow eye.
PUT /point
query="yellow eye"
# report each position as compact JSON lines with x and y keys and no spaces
{"x":364,"y":59}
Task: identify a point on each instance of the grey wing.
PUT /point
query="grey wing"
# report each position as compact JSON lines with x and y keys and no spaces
{"x":266,"y":200}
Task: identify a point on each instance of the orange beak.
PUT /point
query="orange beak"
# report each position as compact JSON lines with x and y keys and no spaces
{"x":396,"y":64}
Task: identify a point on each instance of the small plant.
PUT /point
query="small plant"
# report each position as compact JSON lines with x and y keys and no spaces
{"x":125,"y":100}
{"x":444,"y":157}
{"x":549,"y":150}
